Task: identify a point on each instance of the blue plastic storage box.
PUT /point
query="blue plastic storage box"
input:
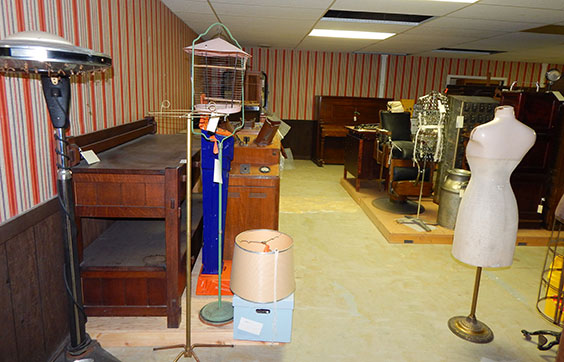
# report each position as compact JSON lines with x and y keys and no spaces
{"x":261,"y":321}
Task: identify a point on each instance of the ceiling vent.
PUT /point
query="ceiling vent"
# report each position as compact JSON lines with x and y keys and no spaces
{"x":548,"y":29}
{"x":376,"y":18}
{"x":468,"y":51}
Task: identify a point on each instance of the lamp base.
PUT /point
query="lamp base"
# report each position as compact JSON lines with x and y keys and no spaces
{"x":407,"y":207}
{"x":470,"y":329}
{"x":216,"y":315}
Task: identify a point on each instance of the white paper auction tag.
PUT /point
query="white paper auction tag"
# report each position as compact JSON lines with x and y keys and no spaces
{"x":212,"y":123}
{"x":89,"y":156}
{"x":250,"y":326}
{"x":217,"y":172}
{"x":459,"y":121}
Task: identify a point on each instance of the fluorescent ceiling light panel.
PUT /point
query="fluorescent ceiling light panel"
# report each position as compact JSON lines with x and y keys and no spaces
{"x":349,"y":34}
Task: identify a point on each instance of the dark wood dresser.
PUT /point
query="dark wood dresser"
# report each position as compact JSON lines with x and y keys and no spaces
{"x":538,"y":181}
{"x":333,"y":114}
{"x":136,"y":267}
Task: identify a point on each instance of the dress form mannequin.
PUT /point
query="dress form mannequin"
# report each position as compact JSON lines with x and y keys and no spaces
{"x":486,"y":226}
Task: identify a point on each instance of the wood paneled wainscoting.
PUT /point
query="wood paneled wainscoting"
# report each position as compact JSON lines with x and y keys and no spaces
{"x":33,"y":301}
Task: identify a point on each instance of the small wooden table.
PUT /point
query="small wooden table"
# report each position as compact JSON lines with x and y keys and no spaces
{"x":359,"y":149}
{"x":136,"y":266}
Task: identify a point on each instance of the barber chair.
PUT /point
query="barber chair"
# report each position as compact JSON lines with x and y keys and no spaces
{"x":394,"y":153}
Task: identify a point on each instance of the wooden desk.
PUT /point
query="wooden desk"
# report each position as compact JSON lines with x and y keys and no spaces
{"x":359,"y":149}
{"x":136,"y":266}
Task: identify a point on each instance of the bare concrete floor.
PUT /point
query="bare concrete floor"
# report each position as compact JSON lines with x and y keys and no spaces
{"x":359,"y":298}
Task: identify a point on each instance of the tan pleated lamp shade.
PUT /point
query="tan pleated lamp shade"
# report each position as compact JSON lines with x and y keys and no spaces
{"x":255,"y":265}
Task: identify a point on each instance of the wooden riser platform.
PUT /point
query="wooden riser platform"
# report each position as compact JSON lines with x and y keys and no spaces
{"x":402,"y":234}
{"x":152,"y":331}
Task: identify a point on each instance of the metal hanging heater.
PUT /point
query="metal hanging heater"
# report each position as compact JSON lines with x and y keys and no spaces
{"x":55,"y":60}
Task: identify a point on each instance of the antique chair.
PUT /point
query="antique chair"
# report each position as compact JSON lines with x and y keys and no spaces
{"x":394,"y":153}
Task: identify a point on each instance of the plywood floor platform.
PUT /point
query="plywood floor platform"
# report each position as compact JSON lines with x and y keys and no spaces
{"x":152,"y":331}
{"x":403,"y":234}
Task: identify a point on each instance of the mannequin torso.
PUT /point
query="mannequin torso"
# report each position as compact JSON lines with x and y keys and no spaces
{"x":486,"y":226}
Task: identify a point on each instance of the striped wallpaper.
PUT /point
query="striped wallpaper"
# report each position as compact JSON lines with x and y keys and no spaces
{"x":295,"y":76}
{"x":145,"y":40}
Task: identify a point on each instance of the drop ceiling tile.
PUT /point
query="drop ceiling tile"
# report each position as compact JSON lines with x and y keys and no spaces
{"x":431,"y":38}
{"x":507,"y":13}
{"x":343,"y":25}
{"x":479,"y":23}
{"x":258,"y":11}
{"x":433,"y":54}
{"x":403,"y":48}
{"x":250,"y":30}
{"x":311,"y":4}
{"x":438,"y":31}
{"x":538,"y":4}
{"x":515,"y":41}
{"x":197,"y":6}
{"x":334,"y":44}
{"x":417,"y":7}
{"x":197,"y":22}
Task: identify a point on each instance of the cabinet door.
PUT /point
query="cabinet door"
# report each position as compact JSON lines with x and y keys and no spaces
{"x":249,"y":208}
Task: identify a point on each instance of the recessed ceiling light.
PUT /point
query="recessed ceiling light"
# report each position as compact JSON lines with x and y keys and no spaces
{"x":349,"y":34}
{"x":374,"y":18}
{"x":467,"y":51}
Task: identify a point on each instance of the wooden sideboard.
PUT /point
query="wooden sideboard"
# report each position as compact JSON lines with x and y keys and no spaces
{"x":136,"y":267}
{"x":333,"y":114}
{"x":538,"y":181}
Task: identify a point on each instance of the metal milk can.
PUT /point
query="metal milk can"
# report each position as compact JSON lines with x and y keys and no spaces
{"x":451,"y":195}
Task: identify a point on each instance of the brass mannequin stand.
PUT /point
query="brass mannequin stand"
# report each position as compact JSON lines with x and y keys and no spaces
{"x":470,"y":328}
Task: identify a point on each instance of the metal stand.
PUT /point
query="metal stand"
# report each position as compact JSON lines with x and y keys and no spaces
{"x":188,"y":347}
{"x":416,"y":220}
{"x":470,"y":328}
{"x":57,"y":95}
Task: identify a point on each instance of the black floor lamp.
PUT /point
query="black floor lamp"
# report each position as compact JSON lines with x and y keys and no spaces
{"x":55,"y":60}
